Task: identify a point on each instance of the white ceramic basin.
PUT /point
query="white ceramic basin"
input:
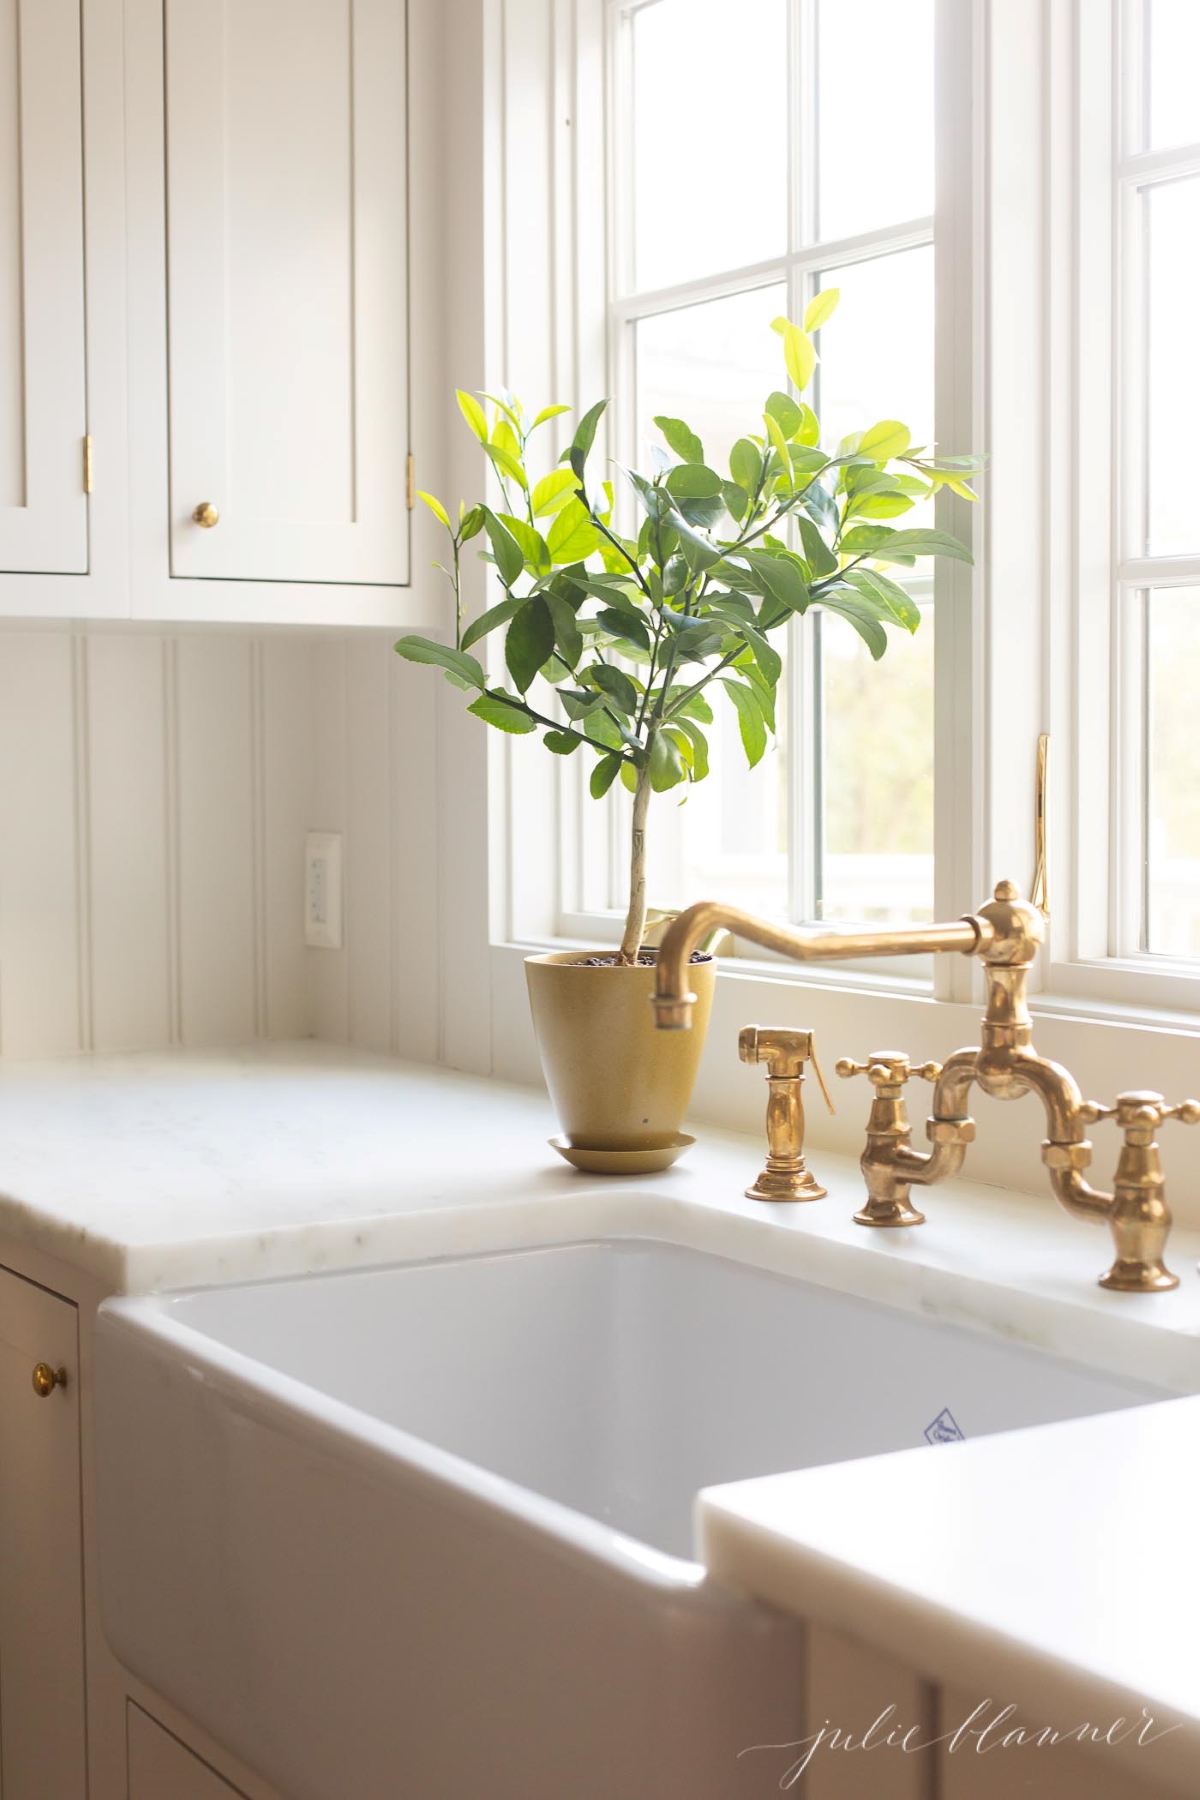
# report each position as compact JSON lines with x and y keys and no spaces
{"x":426,"y":1531}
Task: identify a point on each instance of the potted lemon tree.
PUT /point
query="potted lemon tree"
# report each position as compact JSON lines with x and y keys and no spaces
{"x":615,"y":644}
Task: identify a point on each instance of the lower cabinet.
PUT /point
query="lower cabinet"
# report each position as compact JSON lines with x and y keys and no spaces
{"x":161,"y":1768}
{"x":43,"y":1737}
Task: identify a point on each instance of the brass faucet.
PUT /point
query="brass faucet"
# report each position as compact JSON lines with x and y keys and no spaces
{"x":1006,"y":934}
{"x":785,"y":1053}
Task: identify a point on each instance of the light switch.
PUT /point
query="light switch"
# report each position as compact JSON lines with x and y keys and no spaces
{"x":323,"y":890}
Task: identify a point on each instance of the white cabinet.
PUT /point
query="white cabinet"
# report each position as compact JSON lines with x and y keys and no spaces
{"x":43,"y":1751}
{"x":286,"y":251}
{"x":43,"y":403}
{"x":161,"y":1768}
{"x":204,"y":275}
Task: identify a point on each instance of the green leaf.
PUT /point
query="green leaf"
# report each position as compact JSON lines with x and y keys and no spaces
{"x":692,"y":481}
{"x":666,"y":763}
{"x":786,"y":413}
{"x":470,"y":524}
{"x":441,"y":656}
{"x":751,"y":723}
{"x":548,"y":412}
{"x":924,"y":543}
{"x":699,"y":552}
{"x":887,"y":593}
{"x":682,"y":439}
{"x":737,"y":500}
{"x":505,"y":715}
{"x":554,"y":490}
{"x":775,"y":433}
{"x":887,"y":439}
{"x":436,"y":508}
{"x":585,"y":437}
{"x":817,"y":554}
{"x":499,"y":614}
{"x":568,"y":638}
{"x":799,"y":355}
{"x":820,"y":307}
{"x":603,"y":776}
{"x":627,"y":628}
{"x":604,"y":730}
{"x":696,"y":707}
{"x":507,"y":465}
{"x":780,"y":324}
{"x":699,"y":745}
{"x":810,"y":426}
{"x":579,"y":702}
{"x":533,"y":544}
{"x":765,"y":655}
{"x":863,"y":540}
{"x":864,"y":622}
{"x":572,"y":537}
{"x":780,"y":578}
{"x":746,"y":464}
{"x":474,"y":414}
{"x":563,"y":743}
{"x":629,"y":777}
{"x":878,"y":506}
{"x":530,"y":641}
{"x":616,"y":684}
{"x":510,"y":558}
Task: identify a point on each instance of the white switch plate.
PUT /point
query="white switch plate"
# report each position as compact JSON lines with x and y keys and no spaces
{"x":323,"y":890}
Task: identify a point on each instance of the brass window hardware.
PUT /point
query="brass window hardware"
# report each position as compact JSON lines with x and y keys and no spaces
{"x":1006,"y":934}
{"x":46,"y":1379}
{"x":206,"y":514}
{"x":87,"y":465}
{"x":785,"y":1053}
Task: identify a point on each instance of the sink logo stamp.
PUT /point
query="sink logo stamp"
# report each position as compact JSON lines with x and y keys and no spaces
{"x":945,"y":1429}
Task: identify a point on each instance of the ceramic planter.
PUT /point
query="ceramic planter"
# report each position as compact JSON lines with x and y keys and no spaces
{"x":619,"y":1085}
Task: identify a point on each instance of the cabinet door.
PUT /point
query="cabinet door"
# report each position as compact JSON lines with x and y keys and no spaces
{"x":42,"y":1738}
{"x":43,"y":408}
{"x":286,"y":182}
{"x":161,"y":1768}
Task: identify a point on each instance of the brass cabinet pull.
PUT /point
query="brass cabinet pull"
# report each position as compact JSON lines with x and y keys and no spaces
{"x":46,"y":1379}
{"x":206,"y":514}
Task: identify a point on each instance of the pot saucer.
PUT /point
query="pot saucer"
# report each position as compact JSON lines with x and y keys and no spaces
{"x":623,"y":1162}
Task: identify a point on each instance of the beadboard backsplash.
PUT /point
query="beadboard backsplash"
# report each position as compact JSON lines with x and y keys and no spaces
{"x":155,"y":792}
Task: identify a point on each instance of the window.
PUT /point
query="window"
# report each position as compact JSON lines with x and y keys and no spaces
{"x":790,"y":170}
{"x":1158,"y":475}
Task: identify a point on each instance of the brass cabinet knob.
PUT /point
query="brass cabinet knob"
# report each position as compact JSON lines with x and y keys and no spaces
{"x":206,"y":514}
{"x":46,"y":1379}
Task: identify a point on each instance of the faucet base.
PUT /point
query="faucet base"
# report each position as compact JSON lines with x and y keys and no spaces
{"x":786,"y":1184}
{"x":1139,"y":1278}
{"x":889,"y":1212}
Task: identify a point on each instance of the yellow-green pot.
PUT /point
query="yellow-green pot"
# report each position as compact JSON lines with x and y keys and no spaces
{"x":617,"y":1083}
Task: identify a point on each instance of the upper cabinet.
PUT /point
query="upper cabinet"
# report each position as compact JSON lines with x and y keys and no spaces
{"x":43,"y":400}
{"x":286,"y":251}
{"x":204,"y":278}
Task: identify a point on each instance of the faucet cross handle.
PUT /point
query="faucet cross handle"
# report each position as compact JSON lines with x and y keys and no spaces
{"x":887,"y":1069}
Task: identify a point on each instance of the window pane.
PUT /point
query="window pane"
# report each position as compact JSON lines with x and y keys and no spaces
{"x":1172,"y":57}
{"x":874,"y":114}
{"x":712,"y":365}
{"x":1173,"y":370}
{"x":728,"y":840}
{"x":1173,"y":801}
{"x":710,"y":137}
{"x":877,"y":349}
{"x":877,"y":776}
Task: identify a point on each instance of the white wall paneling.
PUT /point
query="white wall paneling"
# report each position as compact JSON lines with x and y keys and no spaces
{"x":155,"y":790}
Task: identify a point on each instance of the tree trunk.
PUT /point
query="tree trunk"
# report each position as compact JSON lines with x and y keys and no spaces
{"x":635,"y":919}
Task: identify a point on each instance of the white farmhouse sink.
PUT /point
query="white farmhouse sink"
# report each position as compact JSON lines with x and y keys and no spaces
{"x":425,"y":1532}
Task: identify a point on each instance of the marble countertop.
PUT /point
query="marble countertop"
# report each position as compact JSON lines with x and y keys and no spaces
{"x":191,"y":1168}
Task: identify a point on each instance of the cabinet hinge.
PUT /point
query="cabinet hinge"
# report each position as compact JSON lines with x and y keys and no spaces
{"x":412,"y":481}
{"x":87,"y":465}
